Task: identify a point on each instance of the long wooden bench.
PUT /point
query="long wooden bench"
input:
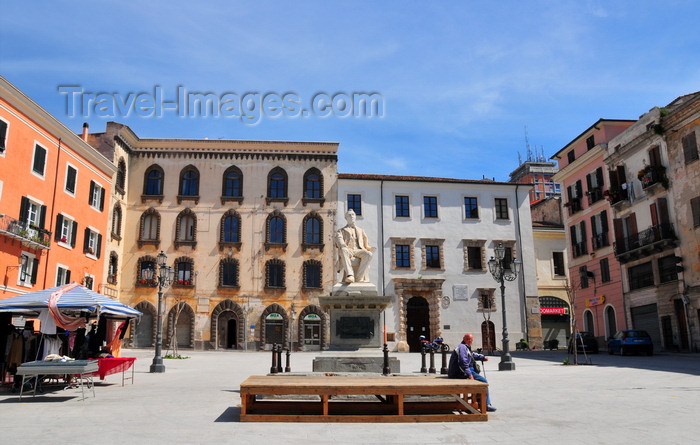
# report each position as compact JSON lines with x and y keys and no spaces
{"x":342,"y":398}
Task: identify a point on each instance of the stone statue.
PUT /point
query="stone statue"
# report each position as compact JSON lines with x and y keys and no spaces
{"x":354,"y":251}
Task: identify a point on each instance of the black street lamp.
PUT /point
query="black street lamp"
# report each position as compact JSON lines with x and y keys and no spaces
{"x":500,"y":273}
{"x":165,"y":277}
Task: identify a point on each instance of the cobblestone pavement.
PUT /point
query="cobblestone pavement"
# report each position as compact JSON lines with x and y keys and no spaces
{"x":613,"y":400}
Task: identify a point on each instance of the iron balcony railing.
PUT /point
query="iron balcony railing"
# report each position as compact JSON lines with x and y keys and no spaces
{"x":594,"y":195}
{"x":600,"y":240}
{"x":579,"y":249}
{"x":28,"y":233}
{"x":646,"y":237}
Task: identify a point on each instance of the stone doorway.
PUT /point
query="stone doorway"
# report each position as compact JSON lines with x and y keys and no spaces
{"x":428,"y":289}
{"x":417,"y":322}
{"x":488,"y":336}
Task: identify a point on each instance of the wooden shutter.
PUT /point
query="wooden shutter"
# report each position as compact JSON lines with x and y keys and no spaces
{"x":579,"y":189}
{"x":86,"y":240}
{"x":690,"y":147}
{"x":594,"y":230}
{"x":59,"y":225}
{"x":74,"y":234}
{"x":24,"y":209}
{"x":3,"y":134}
{"x":654,"y":156}
{"x":654,"y":215}
{"x":35,"y":270}
{"x":663,"y":211}
{"x":68,"y":277}
{"x":619,"y":231}
{"x":599,"y":177}
{"x":98,"y":248}
{"x":102,"y":199}
{"x":583,"y":237}
{"x":621,"y":177}
{"x":589,"y":182}
{"x":92,"y":192}
{"x":42,"y":217}
{"x":604,"y":220}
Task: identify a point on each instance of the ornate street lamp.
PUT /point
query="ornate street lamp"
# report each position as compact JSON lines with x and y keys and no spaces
{"x":165,"y":277}
{"x":500,"y":273}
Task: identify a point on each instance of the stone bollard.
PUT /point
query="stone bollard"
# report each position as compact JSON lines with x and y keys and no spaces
{"x":431,"y":370}
{"x":279,"y":358}
{"x":288,"y":368}
{"x":273,"y":368}
{"x":443,"y":349}
{"x":423,"y":369}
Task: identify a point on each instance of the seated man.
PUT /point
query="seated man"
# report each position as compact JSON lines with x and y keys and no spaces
{"x":462,"y":365}
{"x":352,"y":243}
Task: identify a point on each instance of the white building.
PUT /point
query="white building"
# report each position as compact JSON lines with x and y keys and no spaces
{"x":434,"y":238}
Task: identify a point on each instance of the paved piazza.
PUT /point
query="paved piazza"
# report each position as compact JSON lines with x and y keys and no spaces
{"x":616,"y":400}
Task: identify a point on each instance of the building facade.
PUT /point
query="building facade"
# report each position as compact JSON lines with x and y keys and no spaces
{"x":53,"y":192}
{"x":247,"y":227}
{"x":648,"y":221}
{"x":594,"y":283}
{"x":434,"y":237}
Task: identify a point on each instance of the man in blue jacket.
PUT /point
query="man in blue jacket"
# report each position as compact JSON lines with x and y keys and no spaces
{"x":462,"y":365}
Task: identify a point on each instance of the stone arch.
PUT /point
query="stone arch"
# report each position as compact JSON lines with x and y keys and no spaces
{"x":227,"y":306}
{"x":325,"y":325}
{"x":138,"y":334}
{"x":271,"y":309}
{"x":431,"y":290}
{"x":188,"y":321}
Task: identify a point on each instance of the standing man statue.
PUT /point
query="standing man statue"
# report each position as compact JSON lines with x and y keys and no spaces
{"x":352,"y":243}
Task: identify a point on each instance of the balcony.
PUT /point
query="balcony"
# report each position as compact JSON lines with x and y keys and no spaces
{"x":579,"y":249}
{"x":647,"y":242}
{"x":652,"y":175}
{"x":574,"y":205}
{"x":594,"y":195}
{"x":28,"y":234}
{"x":600,"y":240}
{"x":616,"y":195}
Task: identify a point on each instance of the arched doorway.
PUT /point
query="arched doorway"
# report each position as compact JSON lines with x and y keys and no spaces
{"x":488,"y":336}
{"x":143,"y":331}
{"x":417,"y":322}
{"x":227,"y":326}
{"x":312,"y":331}
{"x":273,"y":323}
{"x":610,"y":323}
{"x":588,"y":322}
{"x":184,"y":332}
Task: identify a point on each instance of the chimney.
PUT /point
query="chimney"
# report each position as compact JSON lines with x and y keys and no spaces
{"x":86,"y":127}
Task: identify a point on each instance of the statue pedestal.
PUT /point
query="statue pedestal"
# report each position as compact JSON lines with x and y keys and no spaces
{"x":356,"y":328}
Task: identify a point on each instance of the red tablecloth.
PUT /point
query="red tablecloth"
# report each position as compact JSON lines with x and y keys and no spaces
{"x":109,"y":366}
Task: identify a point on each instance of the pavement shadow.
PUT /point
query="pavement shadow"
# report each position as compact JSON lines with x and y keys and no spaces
{"x":230,"y":414}
{"x":39,"y":399}
{"x":666,"y":362}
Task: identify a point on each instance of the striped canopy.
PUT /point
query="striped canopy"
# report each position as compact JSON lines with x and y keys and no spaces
{"x":77,"y":299}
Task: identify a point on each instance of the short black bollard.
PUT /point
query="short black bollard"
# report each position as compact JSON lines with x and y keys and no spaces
{"x":443,"y":349}
{"x":288,"y":368}
{"x":387,"y":368}
{"x":431,"y":370}
{"x":423,"y":369}
{"x":279,"y":358}
{"x":273,"y":368}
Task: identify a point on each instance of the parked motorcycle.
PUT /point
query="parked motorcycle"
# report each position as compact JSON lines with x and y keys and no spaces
{"x":436,"y":345}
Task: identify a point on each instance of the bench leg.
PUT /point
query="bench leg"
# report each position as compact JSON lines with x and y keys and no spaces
{"x":324,"y":403}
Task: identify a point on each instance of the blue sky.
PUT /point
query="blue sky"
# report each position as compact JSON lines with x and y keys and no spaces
{"x":460,"y":81}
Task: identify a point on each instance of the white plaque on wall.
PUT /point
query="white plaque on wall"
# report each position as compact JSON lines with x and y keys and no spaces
{"x":460,"y":292}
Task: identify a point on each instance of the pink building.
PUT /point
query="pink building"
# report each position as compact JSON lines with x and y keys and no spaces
{"x":595,"y":284}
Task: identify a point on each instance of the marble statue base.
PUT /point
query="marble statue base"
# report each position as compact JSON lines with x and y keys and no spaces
{"x":356,"y":330}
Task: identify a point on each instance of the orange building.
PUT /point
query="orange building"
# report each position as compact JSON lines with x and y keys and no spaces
{"x":53,"y":187}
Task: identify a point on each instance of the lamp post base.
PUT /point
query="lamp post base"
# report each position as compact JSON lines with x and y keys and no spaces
{"x":506,"y":365}
{"x":157,"y":365}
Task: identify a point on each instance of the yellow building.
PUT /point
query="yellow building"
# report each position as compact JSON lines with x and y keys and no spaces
{"x":247,"y":227}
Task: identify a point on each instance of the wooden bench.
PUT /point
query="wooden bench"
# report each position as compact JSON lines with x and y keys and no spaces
{"x":342,"y":398}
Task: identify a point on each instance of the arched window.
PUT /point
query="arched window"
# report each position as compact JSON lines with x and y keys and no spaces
{"x":274,"y":273}
{"x":312,"y":274}
{"x":228,"y":272}
{"x":113,"y":268}
{"x":153,"y":182}
{"x":149,"y":232}
{"x":313,"y":187}
{"x":232,"y":189}
{"x":610,"y":322}
{"x":189,"y":184}
{"x":145,"y":272}
{"x":231,"y":227}
{"x":117,"y":222}
{"x":275,"y":231}
{"x":121,"y":176}
{"x":184,"y":272}
{"x":312,"y":232}
{"x":186,"y":226}
{"x":277,"y":185}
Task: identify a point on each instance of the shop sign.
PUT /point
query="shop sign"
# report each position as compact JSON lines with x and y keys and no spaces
{"x":554,"y":310}
{"x":595,"y":301}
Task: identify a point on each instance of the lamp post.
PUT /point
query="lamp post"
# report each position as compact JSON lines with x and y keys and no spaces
{"x":500,"y":273}
{"x":165,"y":277}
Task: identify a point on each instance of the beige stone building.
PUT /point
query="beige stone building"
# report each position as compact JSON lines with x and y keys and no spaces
{"x":246,"y":226}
